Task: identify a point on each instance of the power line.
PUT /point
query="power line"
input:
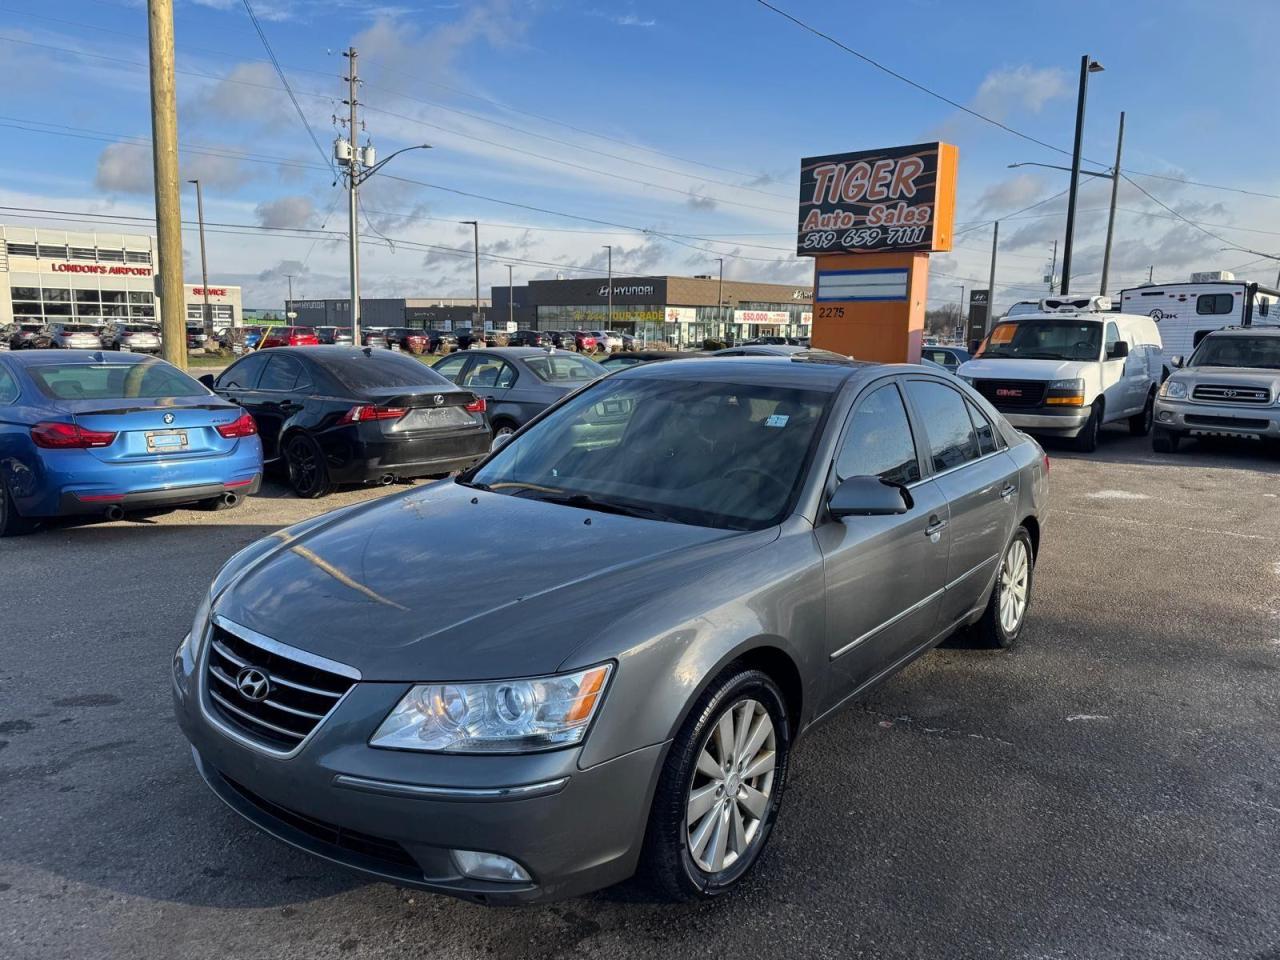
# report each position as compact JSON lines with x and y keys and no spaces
{"x":288,"y":89}
{"x":1157,"y":200}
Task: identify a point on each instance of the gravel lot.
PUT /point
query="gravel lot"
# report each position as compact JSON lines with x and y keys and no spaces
{"x":1110,"y":788}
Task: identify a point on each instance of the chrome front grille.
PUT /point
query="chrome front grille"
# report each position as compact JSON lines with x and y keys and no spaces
{"x":299,"y":692}
{"x":1226,"y":393}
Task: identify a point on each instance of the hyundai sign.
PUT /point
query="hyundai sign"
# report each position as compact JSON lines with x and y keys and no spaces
{"x":901,"y":199}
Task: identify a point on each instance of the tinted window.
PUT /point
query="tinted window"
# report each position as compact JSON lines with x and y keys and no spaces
{"x":1212,"y":304}
{"x":281,"y":374}
{"x":879,"y":442}
{"x":381,"y":368}
{"x":113,"y":381}
{"x":8,"y":386}
{"x":244,"y":374}
{"x":564,"y":368}
{"x":489,"y":372}
{"x":987,"y":440}
{"x":950,"y":432}
{"x":1234,"y":351}
{"x":450,"y":367}
{"x":1044,"y":339}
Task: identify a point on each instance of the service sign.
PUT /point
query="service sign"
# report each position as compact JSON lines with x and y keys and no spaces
{"x":900,"y":199}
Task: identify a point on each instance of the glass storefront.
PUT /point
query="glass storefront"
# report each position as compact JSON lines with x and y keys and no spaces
{"x":37,"y":301}
{"x":649,"y":322}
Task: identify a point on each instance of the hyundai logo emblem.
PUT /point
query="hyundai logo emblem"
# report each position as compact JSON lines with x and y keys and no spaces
{"x":439,"y":398}
{"x":168,"y":418}
{"x":253,"y":684}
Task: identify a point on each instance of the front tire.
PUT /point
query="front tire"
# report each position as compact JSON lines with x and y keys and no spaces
{"x":1164,"y":441}
{"x":1006,"y":612}
{"x":720,"y":788}
{"x":1087,"y":439}
{"x":1140,"y":423}
{"x":308,"y":471}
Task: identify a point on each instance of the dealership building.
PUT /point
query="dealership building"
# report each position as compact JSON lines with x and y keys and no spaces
{"x":56,"y":276}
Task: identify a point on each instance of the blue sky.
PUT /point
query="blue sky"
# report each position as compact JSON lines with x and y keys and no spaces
{"x":688,"y":119}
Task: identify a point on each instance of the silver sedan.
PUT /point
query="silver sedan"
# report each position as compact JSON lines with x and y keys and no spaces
{"x":779,"y":535}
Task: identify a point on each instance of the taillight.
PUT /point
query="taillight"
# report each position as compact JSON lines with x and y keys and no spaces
{"x":1046,"y":464}
{"x":365,"y":413}
{"x":478,"y":405}
{"x":242,"y":427}
{"x":68,"y":436}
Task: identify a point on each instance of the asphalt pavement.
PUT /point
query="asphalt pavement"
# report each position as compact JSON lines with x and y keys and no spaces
{"x":1109,"y":788}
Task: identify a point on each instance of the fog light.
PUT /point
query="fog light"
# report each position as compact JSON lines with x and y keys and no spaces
{"x":489,"y":866}
{"x":1165,"y":416}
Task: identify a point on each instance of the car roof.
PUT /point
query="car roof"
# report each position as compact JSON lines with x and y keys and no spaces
{"x":1234,"y":331}
{"x":782,"y":371}
{"x":523,"y":353}
{"x":29,"y":358}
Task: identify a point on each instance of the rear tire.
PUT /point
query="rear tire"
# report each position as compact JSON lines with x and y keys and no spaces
{"x":1164,"y":441}
{"x":1086,"y":440}
{"x":13,"y":524}
{"x":735,"y":812}
{"x":503,"y":427}
{"x":1140,"y":423}
{"x":308,"y":471}
{"x":1006,"y":612}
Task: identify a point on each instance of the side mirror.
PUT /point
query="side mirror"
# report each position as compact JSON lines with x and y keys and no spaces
{"x":500,"y":441}
{"x":1119,"y":350}
{"x":868,"y":497}
{"x":207,"y":380}
{"x":1176,"y":362}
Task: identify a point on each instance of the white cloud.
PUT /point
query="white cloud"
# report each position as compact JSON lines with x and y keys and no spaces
{"x":1007,"y":195}
{"x":250,"y":93}
{"x":127,"y":168}
{"x":294,"y":211}
{"x":1007,"y":91}
{"x":397,"y":46}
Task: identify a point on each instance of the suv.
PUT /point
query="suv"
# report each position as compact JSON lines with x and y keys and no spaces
{"x":29,"y":336}
{"x":77,"y":336}
{"x":1228,"y":388}
{"x":529,"y":338}
{"x":407,"y":339}
{"x":133,"y":337}
{"x":1070,"y":368}
{"x":334,"y":336}
{"x":288,"y":337}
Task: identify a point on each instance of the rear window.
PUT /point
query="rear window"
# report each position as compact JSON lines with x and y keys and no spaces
{"x":381,"y":369}
{"x":564,"y":368}
{"x":113,"y":381}
{"x":77,"y":328}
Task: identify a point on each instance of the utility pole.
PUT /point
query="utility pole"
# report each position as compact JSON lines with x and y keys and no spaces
{"x":511,"y":300}
{"x":609,"y":324}
{"x":353,"y":187}
{"x":1151,"y":272}
{"x":720,"y":295}
{"x":1111,"y":216}
{"x":164,"y":153}
{"x":991,"y":280}
{"x":1053,"y":266}
{"x":960,"y":315}
{"x":288,"y":305}
{"x":476,"y":322}
{"x":204,"y":263}
{"x":1087,"y":66}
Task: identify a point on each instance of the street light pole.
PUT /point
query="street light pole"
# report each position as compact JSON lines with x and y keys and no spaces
{"x":991,"y":280}
{"x":1256,"y":253}
{"x":476,"y":322}
{"x":288,"y":308}
{"x":204,"y":263}
{"x":511,"y":300}
{"x":609,"y":248}
{"x":1111,"y":215}
{"x":353,"y":188}
{"x":1087,"y":66}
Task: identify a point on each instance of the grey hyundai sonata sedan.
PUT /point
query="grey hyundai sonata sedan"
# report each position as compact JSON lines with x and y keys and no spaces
{"x":422,"y":688}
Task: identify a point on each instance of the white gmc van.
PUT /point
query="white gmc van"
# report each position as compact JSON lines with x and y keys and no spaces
{"x":1069,"y":368}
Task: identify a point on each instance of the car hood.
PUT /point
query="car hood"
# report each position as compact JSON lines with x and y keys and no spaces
{"x":1229,"y":376}
{"x":449,"y":582}
{"x":1014,"y":369}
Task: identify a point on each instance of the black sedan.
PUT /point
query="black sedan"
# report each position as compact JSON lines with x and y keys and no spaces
{"x":617,"y":361}
{"x":529,"y":338}
{"x":334,"y":415}
{"x":518,"y":383}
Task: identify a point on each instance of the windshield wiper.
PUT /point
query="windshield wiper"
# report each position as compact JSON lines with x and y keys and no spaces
{"x":584,"y":501}
{"x":473,"y":484}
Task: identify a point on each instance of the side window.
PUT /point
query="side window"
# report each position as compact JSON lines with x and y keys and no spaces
{"x":879,"y":441}
{"x":244,"y":374}
{"x":450,"y":367}
{"x":987,"y":438}
{"x":281,"y":373}
{"x":8,"y":386}
{"x":489,"y":372}
{"x":1212,"y":304}
{"x":1112,"y":338}
{"x":1263,"y":306}
{"x":952,"y":439}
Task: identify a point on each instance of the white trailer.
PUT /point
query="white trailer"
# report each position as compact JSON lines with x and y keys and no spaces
{"x":1188,"y":312}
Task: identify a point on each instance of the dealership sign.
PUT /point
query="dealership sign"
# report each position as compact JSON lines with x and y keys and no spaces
{"x":900,"y":199}
{"x":629,"y":290}
{"x":100,"y":269}
{"x":773,"y":317}
{"x":681,"y":314}
{"x":211,"y":291}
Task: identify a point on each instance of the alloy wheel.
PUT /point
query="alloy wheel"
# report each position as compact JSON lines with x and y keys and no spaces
{"x":1015,"y":582}
{"x":729,"y":794}
{"x":302,"y":465}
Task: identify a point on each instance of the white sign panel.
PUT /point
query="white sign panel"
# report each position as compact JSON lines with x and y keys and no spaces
{"x":855,"y":285}
{"x":773,"y":317}
{"x":681,"y":314}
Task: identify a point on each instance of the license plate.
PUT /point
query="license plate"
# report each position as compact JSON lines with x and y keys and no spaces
{"x":166,"y":441}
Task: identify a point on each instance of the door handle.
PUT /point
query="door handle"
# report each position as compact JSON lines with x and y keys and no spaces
{"x":1008,"y":491}
{"x":935,"y":527}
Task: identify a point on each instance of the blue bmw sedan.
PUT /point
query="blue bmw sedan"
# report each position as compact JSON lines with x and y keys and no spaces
{"x":84,"y":432}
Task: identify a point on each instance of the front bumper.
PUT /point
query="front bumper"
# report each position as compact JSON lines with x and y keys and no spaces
{"x":397,"y":815}
{"x":1217,"y":419}
{"x":1053,"y":421}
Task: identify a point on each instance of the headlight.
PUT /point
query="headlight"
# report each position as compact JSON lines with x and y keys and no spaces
{"x":1173,"y":390}
{"x":1067,"y":393}
{"x":498,"y":716}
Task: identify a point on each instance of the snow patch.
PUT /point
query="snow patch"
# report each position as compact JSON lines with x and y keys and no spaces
{"x":1117,"y":495}
{"x":1086,"y":716}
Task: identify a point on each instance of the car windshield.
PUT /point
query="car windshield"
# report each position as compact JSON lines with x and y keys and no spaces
{"x":1044,"y":339}
{"x":564,"y":368}
{"x":1260,"y":352}
{"x":113,"y":381}
{"x":728,"y":455}
{"x":380,"y":369}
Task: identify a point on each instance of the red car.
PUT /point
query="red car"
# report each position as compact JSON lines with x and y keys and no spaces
{"x":585,"y":342}
{"x":288,"y":337}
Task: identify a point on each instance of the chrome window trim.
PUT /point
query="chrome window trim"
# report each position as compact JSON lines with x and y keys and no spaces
{"x":428,"y":792}
{"x":890,"y":622}
{"x":950,"y":470}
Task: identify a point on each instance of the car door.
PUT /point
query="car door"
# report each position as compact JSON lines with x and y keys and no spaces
{"x":239,"y":380}
{"x":489,"y":377}
{"x":885,"y":574}
{"x":979,"y":482}
{"x":1117,"y":389}
{"x":274,"y":400}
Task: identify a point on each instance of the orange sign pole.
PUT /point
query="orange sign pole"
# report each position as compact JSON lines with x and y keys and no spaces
{"x":870,"y":220}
